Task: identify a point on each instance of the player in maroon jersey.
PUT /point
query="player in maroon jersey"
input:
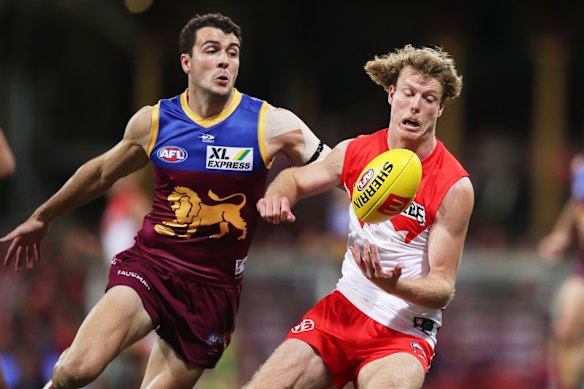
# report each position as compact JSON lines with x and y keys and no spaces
{"x":567,"y":346}
{"x":379,"y":326}
{"x":211,"y":148}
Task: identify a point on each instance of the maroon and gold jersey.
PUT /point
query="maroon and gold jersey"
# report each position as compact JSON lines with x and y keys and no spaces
{"x":208,"y":175}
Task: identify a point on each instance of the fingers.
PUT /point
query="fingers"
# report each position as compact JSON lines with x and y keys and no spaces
{"x":10,"y":253}
{"x":369,"y":261}
{"x":275,"y":210}
{"x":7,"y":237}
{"x":22,"y":254}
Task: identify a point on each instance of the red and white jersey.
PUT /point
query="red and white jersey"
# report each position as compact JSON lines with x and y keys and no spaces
{"x":403,"y":239}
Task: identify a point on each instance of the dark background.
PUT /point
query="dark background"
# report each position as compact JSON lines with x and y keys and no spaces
{"x":73,"y":72}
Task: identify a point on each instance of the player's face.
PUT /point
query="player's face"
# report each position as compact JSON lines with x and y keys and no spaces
{"x":415,"y":105}
{"x":214,"y":64}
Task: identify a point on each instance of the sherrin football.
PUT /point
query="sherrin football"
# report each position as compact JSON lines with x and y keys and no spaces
{"x":387,"y":185}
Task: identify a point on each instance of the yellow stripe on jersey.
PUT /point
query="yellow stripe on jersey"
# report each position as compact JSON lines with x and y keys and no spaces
{"x":210,"y":121}
{"x":153,"y":128}
{"x":262,"y":134}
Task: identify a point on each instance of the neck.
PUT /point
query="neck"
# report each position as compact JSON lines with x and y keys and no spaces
{"x":422,"y":147}
{"x":207,"y":104}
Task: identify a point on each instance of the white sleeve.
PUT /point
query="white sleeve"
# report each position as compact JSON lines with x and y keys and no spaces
{"x":280,"y":121}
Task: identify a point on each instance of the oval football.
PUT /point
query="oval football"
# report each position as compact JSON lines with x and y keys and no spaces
{"x":387,"y":186}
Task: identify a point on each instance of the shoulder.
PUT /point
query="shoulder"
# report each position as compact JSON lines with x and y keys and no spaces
{"x":139,"y":125}
{"x":458,"y":201}
{"x":282,"y":118}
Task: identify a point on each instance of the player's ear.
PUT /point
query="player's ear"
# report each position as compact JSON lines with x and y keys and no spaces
{"x":441,"y":109}
{"x":390,"y":93}
{"x":185,"y":63}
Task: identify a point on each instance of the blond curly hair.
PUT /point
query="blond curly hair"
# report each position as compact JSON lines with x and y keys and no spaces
{"x":430,"y":61}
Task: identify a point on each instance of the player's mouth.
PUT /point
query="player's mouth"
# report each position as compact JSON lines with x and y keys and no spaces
{"x":410,"y":123}
{"x":222,"y":80}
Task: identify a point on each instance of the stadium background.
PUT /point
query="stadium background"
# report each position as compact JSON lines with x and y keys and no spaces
{"x":73,"y":72}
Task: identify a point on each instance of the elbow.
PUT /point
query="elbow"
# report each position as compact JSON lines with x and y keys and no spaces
{"x":8,"y":168}
{"x":445,"y":298}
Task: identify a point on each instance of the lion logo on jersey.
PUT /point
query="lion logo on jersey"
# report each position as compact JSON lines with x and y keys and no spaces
{"x":191,"y":213}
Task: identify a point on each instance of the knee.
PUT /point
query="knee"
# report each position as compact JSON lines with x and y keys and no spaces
{"x":75,"y":371}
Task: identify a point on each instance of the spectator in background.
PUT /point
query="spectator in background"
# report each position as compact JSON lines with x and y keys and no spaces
{"x":7,"y":168}
{"x":568,"y":326}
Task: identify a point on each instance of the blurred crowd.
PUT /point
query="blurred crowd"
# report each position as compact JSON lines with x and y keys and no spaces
{"x":42,"y":309}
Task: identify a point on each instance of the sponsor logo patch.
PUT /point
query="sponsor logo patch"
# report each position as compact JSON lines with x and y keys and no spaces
{"x":172,"y":154}
{"x":365,"y":180}
{"x":418,"y":350}
{"x":207,"y":138}
{"x":240,"y":266}
{"x":215,"y":340}
{"x":305,"y":325}
{"x":423,"y":324}
{"x":229,"y":158}
{"x":135,"y":275}
{"x":417,"y":212}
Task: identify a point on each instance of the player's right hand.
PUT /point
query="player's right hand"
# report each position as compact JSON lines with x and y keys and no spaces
{"x":275,"y":209}
{"x":26,"y":244}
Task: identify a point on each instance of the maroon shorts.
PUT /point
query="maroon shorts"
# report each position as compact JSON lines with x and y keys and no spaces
{"x":196,"y":319}
{"x":347,"y":339}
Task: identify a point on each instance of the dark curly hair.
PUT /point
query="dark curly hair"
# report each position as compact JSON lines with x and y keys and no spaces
{"x":188,"y":34}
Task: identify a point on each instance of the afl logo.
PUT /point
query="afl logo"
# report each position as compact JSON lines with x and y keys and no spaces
{"x":172,"y":154}
{"x":365,"y":180}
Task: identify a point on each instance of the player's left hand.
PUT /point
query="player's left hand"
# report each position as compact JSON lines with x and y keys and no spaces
{"x":369,"y":262}
{"x":275,"y":209}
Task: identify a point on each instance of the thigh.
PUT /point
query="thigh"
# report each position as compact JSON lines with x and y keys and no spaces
{"x":294,"y":364}
{"x":115,"y":322}
{"x":570,"y":320}
{"x":166,"y":370}
{"x":396,"y":371}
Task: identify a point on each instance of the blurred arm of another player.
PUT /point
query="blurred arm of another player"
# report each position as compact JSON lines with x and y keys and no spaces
{"x":295,"y":183}
{"x":553,"y":246}
{"x":90,"y":181}
{"x":7,"y":164}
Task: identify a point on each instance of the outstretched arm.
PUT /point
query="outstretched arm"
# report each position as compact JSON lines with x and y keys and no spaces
{"x":292,"y":184}
{"x":445,"y":245}
{"x":90,"y":181}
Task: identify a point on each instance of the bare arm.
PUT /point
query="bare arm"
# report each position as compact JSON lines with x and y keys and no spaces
{"x":286,"y":133}
{"x":445,"y":245}
{"x":90,"y":181}
{"x":295,"y":183}
{"x":553,"y":245}
{"x":7,"y":165}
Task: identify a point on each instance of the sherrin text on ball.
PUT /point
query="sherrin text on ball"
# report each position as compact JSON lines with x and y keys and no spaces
{"x":387,"y":185}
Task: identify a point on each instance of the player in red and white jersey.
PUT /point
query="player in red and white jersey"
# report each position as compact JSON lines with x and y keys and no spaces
{"x":378,"y":327}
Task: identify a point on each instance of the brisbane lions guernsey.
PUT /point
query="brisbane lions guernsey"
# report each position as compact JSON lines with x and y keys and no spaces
{"x":208,"y":175}
{"x":403,"y":239}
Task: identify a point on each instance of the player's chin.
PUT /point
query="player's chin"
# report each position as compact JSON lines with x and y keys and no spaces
{"x":223,"y":87}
